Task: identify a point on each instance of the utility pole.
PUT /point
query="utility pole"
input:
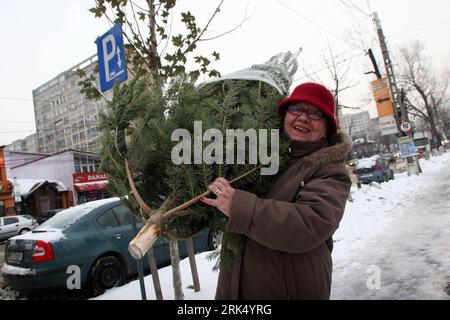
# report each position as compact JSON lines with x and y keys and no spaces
{"x":400,"y":112}
{"x":374,"y":63}
{"x":395,"y":93}
{"x":383,"y":140}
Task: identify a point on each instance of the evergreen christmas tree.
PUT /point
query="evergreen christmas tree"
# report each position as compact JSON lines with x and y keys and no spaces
{"x":138,"y":149}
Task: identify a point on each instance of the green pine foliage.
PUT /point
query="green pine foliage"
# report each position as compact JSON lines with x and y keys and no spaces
{"x":138,"y":124}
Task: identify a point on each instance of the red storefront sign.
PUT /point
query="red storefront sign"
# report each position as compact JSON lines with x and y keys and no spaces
{"x":90,"y":181}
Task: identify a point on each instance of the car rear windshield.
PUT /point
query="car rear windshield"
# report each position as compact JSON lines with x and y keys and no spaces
{"x":366,"y":164}
{"x":65,"y":218}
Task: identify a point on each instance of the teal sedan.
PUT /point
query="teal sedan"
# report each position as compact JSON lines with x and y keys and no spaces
{"x":89,"y":241}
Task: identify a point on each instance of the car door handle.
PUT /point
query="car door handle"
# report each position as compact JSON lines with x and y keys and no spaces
{"x":118,"y":236}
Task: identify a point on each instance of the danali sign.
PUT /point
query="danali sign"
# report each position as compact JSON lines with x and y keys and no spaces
{"x":89,"y":177}
{"x":222,"y":149}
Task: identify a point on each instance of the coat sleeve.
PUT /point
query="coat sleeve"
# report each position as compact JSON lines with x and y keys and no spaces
{"x":293,"y":227}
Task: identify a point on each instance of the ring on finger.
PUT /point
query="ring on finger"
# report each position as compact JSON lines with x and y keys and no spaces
{"x":217,"y":192}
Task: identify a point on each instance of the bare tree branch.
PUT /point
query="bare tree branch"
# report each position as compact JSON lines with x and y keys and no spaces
{"x":246,"y":18}
{"x":193,"y":43}
{"x":423,"y":86}
{"x":137,"y":24}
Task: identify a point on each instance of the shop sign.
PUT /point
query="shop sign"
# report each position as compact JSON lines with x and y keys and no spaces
{"x":89,"y":177}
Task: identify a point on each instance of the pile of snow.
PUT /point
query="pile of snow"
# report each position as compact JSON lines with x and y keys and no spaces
{"x":366,"y":163}
{"x":8,"y":269}
{"x":50,"y":235}
{"x":208,"y":282}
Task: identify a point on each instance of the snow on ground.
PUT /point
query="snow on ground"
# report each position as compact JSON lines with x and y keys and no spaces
{"x":398,"y":233}
{"x":393,"y":243}
{"x":208,"y":281}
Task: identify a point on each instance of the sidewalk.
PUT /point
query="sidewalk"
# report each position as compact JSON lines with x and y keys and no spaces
{"x":393,"y":242}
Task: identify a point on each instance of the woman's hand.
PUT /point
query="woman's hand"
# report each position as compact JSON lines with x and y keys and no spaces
{"x":224,"y":194}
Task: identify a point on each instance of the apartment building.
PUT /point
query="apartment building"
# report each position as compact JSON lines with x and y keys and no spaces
{"x":65,"y":118}
{"x":355,"y":124}
{"x":28,"y":144}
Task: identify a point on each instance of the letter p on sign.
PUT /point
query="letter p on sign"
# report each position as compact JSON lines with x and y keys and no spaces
{"x":111,"y":58}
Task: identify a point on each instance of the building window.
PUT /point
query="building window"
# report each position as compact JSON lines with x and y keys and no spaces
{"x":97,"y":164}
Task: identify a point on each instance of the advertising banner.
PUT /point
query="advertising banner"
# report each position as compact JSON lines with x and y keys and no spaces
{"x":385,"y":107}
{"x":407,"y":147}
{"x":382,"y":97}
{"x":388,"y":125}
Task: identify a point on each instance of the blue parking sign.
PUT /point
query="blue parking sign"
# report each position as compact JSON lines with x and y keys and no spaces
{"x":111,"y":58}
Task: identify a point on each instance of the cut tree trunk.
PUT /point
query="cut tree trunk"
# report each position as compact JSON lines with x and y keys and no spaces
{"x":144,"y":240}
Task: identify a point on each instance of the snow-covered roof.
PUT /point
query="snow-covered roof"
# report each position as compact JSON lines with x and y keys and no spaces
{"x":27,"y":186}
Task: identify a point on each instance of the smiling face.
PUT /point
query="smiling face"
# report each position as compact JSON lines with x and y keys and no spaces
{"x":300,"y":127}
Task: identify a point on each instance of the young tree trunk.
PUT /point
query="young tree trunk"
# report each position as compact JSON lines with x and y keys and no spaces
{"x":436,"y":143}
{"x":191,"y":253}
{"x":155,"y":276}
{"x":175,"y":259}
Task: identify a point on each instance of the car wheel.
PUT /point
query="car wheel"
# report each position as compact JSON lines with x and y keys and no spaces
{"x":214,"y":239}
{"x":24,"y":231}
{"x":107,"y":272}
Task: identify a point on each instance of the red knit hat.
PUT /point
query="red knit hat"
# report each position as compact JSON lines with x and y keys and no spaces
{"x":317,"y":95}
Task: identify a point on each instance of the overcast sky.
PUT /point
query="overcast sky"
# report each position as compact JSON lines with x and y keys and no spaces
{"x":41,"y":39}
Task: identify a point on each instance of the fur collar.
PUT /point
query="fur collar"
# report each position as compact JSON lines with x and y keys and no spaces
{"x":335,"y":153}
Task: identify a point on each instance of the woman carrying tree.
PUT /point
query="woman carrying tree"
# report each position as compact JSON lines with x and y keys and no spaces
{"x":286,"y":252}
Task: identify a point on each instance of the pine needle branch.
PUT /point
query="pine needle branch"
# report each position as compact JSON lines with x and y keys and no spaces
{"x":173,"y":213}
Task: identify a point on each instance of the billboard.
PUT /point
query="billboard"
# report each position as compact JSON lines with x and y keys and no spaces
{"x":385,"y":107}
{"x":382,"y":97}
{"x":407,"y":147}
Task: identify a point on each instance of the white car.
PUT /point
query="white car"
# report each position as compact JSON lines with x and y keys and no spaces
{"x":14,"y":225}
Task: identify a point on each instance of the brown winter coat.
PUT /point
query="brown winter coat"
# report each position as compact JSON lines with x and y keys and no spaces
{"x":286,"y":252}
